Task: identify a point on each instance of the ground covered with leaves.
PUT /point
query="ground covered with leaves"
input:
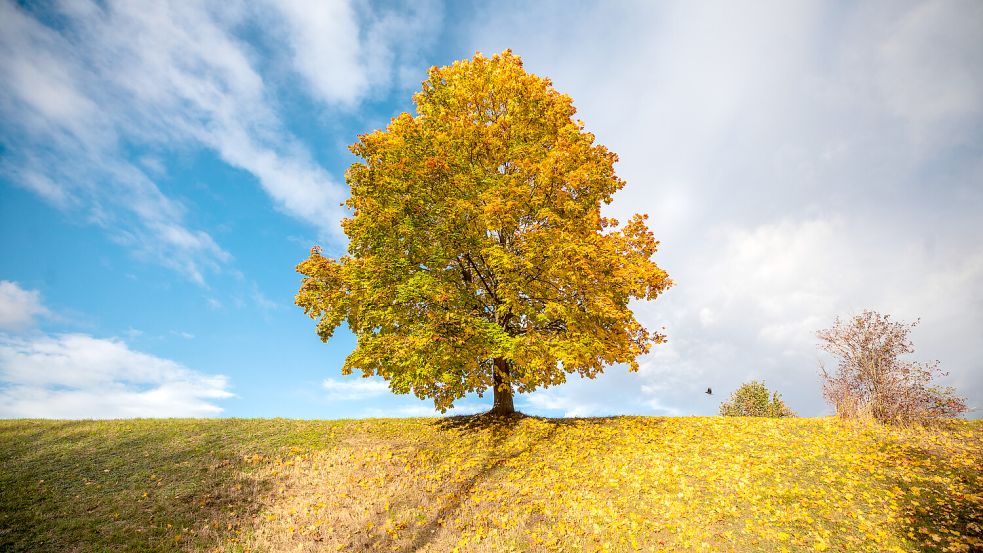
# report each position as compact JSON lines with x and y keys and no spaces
{"x":481,"y":484}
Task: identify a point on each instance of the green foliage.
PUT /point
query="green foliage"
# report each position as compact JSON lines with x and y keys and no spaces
{"x":752,"y":399}
{"x":477,"y":255}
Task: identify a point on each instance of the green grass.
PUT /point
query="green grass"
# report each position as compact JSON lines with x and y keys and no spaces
{"x":134,"y":484}
{"x":478,"y":484}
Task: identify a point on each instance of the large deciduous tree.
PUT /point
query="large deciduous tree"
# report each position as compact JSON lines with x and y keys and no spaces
{"x":478,"y":257}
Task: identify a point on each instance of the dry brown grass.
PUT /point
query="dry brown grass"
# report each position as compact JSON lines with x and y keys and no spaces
{"x":401,"y":492}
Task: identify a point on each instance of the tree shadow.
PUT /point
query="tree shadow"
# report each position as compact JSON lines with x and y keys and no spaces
{"x":942,"y":517}
{"x":502,"y":428}
{"x":480,"y":422}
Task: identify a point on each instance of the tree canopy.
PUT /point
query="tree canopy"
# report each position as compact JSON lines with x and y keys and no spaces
{"x":478,"y":256}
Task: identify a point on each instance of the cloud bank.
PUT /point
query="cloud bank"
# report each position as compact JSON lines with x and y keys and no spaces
{"x":77,"y":376}
{"x":799,"y":161}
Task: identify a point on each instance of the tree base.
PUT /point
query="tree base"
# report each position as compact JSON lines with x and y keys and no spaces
{"x":501,"y":410}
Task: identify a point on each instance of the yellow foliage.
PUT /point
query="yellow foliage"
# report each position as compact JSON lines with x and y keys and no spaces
{"x":634,"y":484}
{"x":477,"y":252}
{"x":491,"y":484}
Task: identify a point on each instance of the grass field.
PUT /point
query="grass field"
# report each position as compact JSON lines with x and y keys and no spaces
{"x":479,"y":484}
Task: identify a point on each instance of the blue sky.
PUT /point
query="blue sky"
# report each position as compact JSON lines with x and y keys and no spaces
{"x":164,"y":166}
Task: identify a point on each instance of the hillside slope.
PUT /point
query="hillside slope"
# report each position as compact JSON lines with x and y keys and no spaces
{"x":474,"y":484}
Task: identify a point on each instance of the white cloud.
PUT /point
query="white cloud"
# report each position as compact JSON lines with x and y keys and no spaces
{"x":172,"y":76}
{"x":325,"y":50}
{"x":798,"y":161}
{"x":70,"y":123}
{"x":342,"y":61}
{"x":355,"y":389}
{"x":425,"y":409}
{"x":360,"y":389}
{"x":19,"y":307}
{"x":770,"y":288}
{"x":79,"y":376}
{"x":563,"y":401}
{"x":925,"y":70}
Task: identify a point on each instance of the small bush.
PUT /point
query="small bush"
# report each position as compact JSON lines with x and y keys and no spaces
{"x":754,"y":400}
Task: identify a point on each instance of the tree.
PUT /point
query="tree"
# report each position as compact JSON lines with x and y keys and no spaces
{"x":871,"y":379}
{"x":752,"y":399}
{"x":478,"y":257}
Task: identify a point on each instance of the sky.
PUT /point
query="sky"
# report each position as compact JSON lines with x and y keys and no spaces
{"x":164,"y":166}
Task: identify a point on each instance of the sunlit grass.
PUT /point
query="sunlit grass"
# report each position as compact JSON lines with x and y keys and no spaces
{"x":479,"y":484}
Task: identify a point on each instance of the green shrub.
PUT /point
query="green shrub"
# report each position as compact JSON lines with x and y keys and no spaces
{"x":752,"y":399}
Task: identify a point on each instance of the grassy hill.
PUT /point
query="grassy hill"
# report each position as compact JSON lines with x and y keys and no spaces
{"x":474,"y":484}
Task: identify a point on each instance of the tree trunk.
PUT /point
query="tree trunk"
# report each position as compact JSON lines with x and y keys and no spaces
{"x":503,"y":389}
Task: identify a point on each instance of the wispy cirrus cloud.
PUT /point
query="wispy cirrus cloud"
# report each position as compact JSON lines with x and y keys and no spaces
{"x":345,"y":52}
{"x":66,"y":123}
{"x":366,"y":390}
{"x":421,"y":409}
{"x":355,"y":388}
{"x":94,"y":90}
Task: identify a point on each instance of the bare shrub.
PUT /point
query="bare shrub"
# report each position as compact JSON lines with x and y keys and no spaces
{"x":872,"y":381}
